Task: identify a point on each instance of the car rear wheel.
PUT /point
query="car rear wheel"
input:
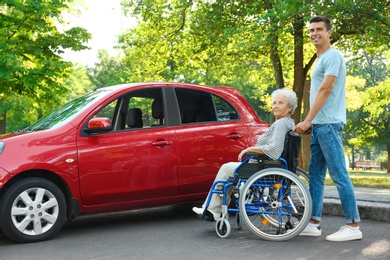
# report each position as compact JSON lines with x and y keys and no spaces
{"x":32,"y":210}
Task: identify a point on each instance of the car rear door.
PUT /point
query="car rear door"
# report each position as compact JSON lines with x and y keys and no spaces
{"x":212,"y":133}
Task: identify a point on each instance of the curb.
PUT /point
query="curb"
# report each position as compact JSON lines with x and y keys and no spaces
{"x":368,"y":210}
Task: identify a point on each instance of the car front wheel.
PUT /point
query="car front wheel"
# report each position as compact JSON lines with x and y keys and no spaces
{"x":32,"y":210}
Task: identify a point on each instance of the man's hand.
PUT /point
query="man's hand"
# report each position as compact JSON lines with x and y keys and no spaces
{"x":303,"y":128}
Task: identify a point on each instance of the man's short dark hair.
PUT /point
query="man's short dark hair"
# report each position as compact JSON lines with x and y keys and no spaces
{"x":318,"y":19}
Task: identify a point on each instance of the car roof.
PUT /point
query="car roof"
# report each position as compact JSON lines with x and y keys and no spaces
{"x":127,"y":86}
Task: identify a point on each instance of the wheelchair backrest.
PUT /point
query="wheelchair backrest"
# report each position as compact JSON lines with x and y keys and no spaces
{"x":291,"y":150}
{"x":255,"y":162}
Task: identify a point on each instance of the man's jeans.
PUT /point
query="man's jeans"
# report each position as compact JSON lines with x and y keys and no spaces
{"x":327,"y":153}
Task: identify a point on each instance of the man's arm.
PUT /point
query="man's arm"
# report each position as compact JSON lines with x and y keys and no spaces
{"x":319,"y":101}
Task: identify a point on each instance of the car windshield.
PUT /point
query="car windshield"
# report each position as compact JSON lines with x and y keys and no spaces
{"x":65,"y":113}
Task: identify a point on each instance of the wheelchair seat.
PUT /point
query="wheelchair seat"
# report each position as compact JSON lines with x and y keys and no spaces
{"x":288,"y":159}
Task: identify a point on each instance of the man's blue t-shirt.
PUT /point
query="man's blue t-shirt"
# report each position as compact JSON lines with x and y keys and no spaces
{"x":330,"y":63}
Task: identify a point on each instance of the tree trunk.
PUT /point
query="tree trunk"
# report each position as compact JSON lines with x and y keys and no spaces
{"x":368,"y":155}
{"x":278,"y":70}
{"x":301,"y":87}
{"x":2,"y":123}
{"x":306,"y":139}
{"x":388,"y":158}
{"x":299,"y":72}
{"x":274,"y":52}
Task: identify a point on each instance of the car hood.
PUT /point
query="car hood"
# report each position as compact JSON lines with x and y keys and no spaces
{"x":11,"y":135}
{"x":25,"y":135}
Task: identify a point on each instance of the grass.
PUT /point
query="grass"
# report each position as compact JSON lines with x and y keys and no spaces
{"x":368,"y":179}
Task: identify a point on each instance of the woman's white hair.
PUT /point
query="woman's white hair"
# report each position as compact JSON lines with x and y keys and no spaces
{"x":289,"y":94}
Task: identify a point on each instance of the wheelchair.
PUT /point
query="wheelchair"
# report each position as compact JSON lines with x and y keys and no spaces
{"x":269,"y":196}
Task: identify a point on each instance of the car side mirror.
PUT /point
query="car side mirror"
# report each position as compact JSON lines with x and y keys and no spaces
{"x":98,"y":125}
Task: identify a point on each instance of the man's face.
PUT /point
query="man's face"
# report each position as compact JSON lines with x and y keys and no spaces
{"x":318,"y":34}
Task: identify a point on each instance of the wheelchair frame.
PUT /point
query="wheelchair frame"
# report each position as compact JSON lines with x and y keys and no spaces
{"x":274,"y":203}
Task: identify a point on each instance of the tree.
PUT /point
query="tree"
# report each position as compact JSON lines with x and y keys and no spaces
{"x":107,"y":71}
{"x":30,"y":63}
{"x":370,"y":65}
{"x":78,"y":81}
{"x":378,"y":115}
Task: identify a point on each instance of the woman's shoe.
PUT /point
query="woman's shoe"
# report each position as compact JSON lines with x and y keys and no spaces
{"x":206,"y":215}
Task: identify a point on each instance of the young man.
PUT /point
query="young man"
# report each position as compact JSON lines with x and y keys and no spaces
{"x":327,"y":117}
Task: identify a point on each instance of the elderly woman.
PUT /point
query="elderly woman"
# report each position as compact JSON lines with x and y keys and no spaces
{"x":270,"y":143}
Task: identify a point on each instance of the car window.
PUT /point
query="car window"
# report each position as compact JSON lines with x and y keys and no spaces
{"x":108,"y":111}
{"x":225,"y":111}
{"x":135,"y":110}
{"x":148,"y":112}
{"x":198,"y":106}
{"x":67,"y":112}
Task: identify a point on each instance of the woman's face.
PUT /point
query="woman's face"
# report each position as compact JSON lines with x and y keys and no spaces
{"x":280,"y":107}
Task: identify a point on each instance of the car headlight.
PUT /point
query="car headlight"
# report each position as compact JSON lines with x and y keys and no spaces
{"x":1,"y":147}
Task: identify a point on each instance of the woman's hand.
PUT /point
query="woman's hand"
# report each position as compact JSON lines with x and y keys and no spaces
{"x":247,"y":150}
{"x":253,"y":149}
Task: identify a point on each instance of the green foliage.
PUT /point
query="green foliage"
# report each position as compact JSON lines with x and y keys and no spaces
{"x":377,"y":105}
{"x":21,"y":111}
{"x":107,"y":71}
{"x":78,"y":82}
{"x":367,"y":128}
{"x":30,"y":44}
{"x":371,"y":66}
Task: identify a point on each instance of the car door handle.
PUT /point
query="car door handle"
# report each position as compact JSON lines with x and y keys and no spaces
{"x":162,"y":143}
{"x":234,"y":136}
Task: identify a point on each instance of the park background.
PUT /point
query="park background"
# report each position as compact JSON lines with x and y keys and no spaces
{"x":253,"y":46}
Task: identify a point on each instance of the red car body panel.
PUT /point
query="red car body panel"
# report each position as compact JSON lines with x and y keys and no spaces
{"x":131,"y":169}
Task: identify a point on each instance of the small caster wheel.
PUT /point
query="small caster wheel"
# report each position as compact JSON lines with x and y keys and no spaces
{"x":222,"y":227}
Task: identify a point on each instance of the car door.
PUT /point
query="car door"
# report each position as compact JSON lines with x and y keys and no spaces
{"x":136,"y":161}
{"x":207,"y":138}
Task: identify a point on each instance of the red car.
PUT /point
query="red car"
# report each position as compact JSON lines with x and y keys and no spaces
{"x":118,"y":148}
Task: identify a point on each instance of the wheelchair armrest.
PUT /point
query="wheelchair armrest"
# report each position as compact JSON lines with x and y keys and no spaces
{"x":254,"y":155}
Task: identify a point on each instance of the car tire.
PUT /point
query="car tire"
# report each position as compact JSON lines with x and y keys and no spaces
{"x":31,"y":210}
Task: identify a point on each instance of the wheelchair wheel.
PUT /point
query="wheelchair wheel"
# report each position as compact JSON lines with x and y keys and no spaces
{"x":222,"y":227}
{"x":275,"y":204}
{"x":304,"y":175}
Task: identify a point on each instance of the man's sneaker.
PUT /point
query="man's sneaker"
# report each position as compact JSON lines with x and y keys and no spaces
{"x":346,"y":233}
{"x":311,"y":230}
